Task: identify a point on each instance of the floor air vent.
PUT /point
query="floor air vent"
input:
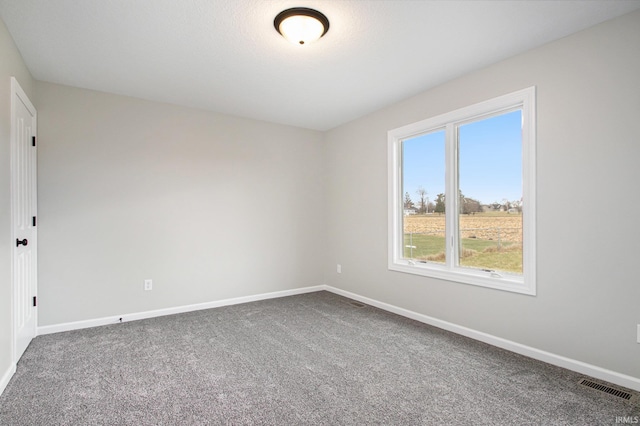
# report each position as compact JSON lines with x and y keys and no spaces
{"x":608,"y":389}
{"x":357,"y":304}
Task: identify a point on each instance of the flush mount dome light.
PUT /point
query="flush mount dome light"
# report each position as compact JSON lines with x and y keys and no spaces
{"x":301,"y":25}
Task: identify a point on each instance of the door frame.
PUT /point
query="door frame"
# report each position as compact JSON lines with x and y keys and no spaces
{"x":18,"y":95}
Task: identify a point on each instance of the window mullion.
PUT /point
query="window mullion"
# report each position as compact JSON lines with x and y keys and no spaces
{"x":451,"y":205}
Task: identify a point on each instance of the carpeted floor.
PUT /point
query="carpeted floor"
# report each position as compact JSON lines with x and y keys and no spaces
{"x":308,"y":359}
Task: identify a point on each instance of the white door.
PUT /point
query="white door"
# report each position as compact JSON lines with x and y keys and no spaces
{"x":23,"y":217}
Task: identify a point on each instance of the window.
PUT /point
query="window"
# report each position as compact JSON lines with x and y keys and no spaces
{"x":462,"y":195}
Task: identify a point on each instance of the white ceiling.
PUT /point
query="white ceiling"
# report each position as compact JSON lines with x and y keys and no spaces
{"x":226,"y":56}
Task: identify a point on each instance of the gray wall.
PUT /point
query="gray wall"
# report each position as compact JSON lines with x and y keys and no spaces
{"x":11,"y":64}
{"x":588,"y":108}
{"x":208,"y":206}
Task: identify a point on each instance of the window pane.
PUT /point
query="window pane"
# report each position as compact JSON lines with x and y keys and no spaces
{"x":490,"y":198}
{"x":423,"y":185}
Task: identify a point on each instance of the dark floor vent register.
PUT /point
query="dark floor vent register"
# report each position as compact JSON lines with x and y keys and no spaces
{"x":608,"y":389}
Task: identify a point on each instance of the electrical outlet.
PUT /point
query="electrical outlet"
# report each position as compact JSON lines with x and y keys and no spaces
{"x":148,"y":285}
{"x":339,"y":268}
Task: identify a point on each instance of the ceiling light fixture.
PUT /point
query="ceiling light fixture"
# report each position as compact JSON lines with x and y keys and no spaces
{"x":301,"y":25}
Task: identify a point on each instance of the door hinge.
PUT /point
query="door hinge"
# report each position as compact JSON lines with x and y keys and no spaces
{"x":33,"y":141}
{"x":35,"y":301}
{"x":33,"y":221}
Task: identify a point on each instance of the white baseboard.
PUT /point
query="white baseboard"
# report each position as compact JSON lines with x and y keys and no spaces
{"x":558,"y":360}
{"x":77,"y":325}
{"x":550,"y":358}
{"x":4,"y":381}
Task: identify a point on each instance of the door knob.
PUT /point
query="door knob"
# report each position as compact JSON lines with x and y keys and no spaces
{"x":23,"y":242}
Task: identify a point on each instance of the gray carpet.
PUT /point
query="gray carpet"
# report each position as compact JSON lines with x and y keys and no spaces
{"x":310,"y":359}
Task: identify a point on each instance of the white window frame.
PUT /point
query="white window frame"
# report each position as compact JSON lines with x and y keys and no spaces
{"x":524,"y":283}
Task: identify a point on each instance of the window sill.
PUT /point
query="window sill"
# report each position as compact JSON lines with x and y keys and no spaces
{"x":506,"y":282}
